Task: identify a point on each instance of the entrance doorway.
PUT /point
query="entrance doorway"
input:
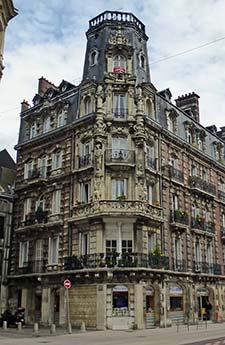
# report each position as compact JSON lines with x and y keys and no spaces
{"x":150,"y":307}
{"x":204,"y":305}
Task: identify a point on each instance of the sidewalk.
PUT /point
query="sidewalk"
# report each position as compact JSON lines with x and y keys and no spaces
{"x":158,"y":336}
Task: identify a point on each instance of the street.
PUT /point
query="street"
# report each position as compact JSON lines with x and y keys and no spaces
{"x":213,"y":335}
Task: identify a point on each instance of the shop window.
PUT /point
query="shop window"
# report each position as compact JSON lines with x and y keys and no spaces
{"x":150,"y":305}
{"x":176,"y":303}
{"x":120,"y":301}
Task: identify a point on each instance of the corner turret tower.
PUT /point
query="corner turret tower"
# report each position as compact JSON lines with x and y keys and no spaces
{"x":116,"y":44}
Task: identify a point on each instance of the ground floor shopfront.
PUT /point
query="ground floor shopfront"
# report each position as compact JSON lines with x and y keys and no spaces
{"x":120,"y":300}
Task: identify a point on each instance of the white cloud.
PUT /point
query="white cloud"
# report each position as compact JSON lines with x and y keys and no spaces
{"x":48,"y":39}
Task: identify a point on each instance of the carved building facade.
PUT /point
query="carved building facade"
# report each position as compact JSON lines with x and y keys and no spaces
{"x":120,"y":191}
{"x":7,"y":12}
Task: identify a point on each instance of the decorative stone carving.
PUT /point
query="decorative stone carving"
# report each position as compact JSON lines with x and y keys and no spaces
{"x":119,"y":39}
{"x":98,"y":157}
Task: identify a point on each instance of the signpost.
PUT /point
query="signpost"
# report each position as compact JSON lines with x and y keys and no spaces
{"x":67,"y":286}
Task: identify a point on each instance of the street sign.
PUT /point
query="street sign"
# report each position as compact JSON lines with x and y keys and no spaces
{"x":67,"y":284}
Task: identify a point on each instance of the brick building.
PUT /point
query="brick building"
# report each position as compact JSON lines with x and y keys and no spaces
{"x":119,"y":190}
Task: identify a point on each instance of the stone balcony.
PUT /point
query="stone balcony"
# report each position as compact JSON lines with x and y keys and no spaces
{"x":117,"y":208}
{"x":120,"y":156}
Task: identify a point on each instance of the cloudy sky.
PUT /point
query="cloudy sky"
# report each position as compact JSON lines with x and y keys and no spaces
{"x":48,"y":39}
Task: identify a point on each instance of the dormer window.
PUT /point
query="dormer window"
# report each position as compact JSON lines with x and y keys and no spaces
{"x":119,"y":64}
{"x":87,"y":105}
{"x":149,"y":108}
{"x":189,"y":137}
{"x":33,"y":130}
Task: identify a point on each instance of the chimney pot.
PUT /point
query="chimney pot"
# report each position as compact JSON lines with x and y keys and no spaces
{"x":24,"y":106}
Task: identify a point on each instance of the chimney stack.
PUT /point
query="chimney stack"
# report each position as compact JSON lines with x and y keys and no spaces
{"x":44,"y":85}
{"x":189,"y":103}
{"x":24,"y":106}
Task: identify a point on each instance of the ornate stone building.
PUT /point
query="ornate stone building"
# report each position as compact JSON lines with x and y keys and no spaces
{"x":119,"y":190}
{"x":7,"y":12}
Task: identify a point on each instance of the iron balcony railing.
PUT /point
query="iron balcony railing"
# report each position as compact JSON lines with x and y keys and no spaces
{"x":85,"y":160}
{"x":151,"y":162}
{"x":176,"y":174}
{"x":119,"y":113}
{"x":200,"y":224}
{"x":36,"y":266}
{"x":200,"y":184}
{"x":179,"y":265}
{"x":36,"y":217}
{"x":179,"y":216}
{"x":206,"y":268}
{"x":221,"y":195}
{"x":37,"y":173}
{"x":119,"y":156}
{"x":116,"y":260}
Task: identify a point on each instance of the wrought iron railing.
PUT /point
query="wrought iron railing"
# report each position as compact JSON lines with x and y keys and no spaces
{"x":37,"y":173}
{"x":119,"y":156}
{"x":119,"y":113}
{"x":200,"y":224}
{"x":85,"y":160}
{"x":179,"y":265}
{"x":116,"y":260}
{"x":176,"y":174}
{"x":36,"y":266}
{"x":198,"y":183}
{"x":179,"y":216}
{"x":36,"y":217}
{"x":206,"y":268}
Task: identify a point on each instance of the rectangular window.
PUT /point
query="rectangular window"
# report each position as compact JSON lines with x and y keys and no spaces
{"x":110,"y":246}
{"x":85,"y":192}
{"x":42,"y":167}
{"x":83,"y":243}
{"x":53,"y":250}
{"x":127,"y":246}
{"x":119,"y":106}
{"x":39,"y":250}
{"x":175,"y":202}
{"x":119,"y":188}
{"x":150,"y":157}
{"x":23,"y":255}
{"x":150,"y":194}
{"x":56,"y":202}
{"x":152,"y":242}
{"x":27,"y":208}
{"x":177,"y":249}
{"x":57,"y":160}
{"x":28,"y":169}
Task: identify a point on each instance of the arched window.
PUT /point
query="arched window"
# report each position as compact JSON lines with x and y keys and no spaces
{"x":119,"y":61}
{"x":93,"y":58}
{"x":87,"y":105}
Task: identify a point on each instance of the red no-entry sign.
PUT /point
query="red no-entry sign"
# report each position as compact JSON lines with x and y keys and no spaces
{"x":67,"y":284}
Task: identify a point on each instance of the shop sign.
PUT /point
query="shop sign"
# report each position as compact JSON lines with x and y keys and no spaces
{"x":149,"y":291}
{"x":120,"y":288}
{"x":176,"y":290}
{"x":202,"y":292}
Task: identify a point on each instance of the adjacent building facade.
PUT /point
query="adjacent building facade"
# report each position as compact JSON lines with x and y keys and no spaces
{"x":120,"y":191}
{"x":7,"y":180}
{"x":7,"y":12}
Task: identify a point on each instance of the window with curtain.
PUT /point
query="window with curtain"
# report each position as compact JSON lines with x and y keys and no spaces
{"x":119,"y":188}
{"x":53,"y":250}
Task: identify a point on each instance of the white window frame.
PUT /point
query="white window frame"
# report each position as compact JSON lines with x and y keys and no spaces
{"x":57,"y":160}
{"x":85,"y":194}
{"x":28,"y":168}
{"x":56,"y":201}
{"x":39,"y":250}
{"x":26,"y":207}
{"x":42,"y":166}
{"x":119,"y":61}
{"x":119,"y":188}
{"x":84,"y":243}
{"x":53,"y":253}
{"x":119,"y":105}
{"x":23,"y":254}
{"x":150,"y":193}
{"x":87,"y":105}
{"x":152,"y":242}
